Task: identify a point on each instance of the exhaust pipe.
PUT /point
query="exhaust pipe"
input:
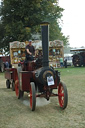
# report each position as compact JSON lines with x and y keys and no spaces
{"x":45,"y":43}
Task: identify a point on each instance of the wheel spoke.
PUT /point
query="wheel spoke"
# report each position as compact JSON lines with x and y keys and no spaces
{"x":62,"y":95}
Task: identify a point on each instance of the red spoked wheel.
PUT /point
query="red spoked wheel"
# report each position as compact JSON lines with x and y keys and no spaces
{"x":19,"y":93}
{"x":62,"y":95}
{"x":17,"y":88}
{"x":32,"y":96}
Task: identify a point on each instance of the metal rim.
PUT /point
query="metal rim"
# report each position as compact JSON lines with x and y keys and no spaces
{"x":62,"y":95}
{"x":32,"y":96}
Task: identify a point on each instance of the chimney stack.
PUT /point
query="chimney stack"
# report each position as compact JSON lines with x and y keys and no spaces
{"x":45,"y":43}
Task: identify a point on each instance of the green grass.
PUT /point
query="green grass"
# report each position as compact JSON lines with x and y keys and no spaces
{"x":72,"y":71}
{"x":14,"y":114}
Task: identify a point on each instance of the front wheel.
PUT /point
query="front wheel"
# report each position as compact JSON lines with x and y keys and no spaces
{"x":32,"y":96}
{"x":62,"y":95}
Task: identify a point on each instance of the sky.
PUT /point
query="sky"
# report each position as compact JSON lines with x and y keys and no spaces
{"x":74,"y":21}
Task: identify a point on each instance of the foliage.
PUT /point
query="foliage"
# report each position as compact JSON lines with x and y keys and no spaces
{"x":21,"y":18}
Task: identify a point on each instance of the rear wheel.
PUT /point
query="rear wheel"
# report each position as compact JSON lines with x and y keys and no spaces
{"x":17,"y":88}
{"x":32,"y":96}
{"x":19,"y":93}
{"x":62,"y":95}
{"x":8,"y":83}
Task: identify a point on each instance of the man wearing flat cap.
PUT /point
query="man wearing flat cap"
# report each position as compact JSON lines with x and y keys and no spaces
{"x":30,"y":51}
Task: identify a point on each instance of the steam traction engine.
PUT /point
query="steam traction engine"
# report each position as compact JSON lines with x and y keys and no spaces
{"x":37,"y":78}
{"x":78,"y":57}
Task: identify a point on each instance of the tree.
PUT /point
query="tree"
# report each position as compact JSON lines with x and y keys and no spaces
{"x":21,"y":18}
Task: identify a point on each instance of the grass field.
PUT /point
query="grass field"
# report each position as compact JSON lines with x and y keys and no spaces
{"x":16,"y":113}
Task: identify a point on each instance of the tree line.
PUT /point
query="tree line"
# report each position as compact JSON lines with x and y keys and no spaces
{"x":20,"y":19}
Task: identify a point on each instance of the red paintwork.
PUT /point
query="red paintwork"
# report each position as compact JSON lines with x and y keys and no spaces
{"x":17,"y":86}
{"x":10,"y":73}
{"x":4,"y":58}
{"x":25,"y":77}
{"x":61,"y":95}
{"x":31,"y":66}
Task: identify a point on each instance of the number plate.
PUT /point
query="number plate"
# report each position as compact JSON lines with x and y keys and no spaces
{"x":50,"y":80}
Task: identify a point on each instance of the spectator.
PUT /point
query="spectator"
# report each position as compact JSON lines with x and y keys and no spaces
{"x":7,"y":64}
{"x":61,"y":62}
{"x":65,"y":63}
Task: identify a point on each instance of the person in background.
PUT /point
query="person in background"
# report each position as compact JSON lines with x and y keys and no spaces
{"x":61,"y":62}
{"x":30,"y":51}
{"x":65,"y":63}
{"x":7,"y":64}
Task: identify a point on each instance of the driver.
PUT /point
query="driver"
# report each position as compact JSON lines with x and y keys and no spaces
{"x":30,"y":51}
